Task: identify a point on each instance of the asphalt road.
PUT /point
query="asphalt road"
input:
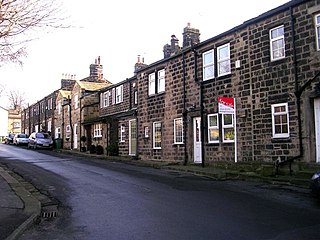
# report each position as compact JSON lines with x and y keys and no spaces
{"x":111,"y":200}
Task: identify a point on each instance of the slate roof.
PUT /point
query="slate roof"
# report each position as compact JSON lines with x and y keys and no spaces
{"x":93,"y":86}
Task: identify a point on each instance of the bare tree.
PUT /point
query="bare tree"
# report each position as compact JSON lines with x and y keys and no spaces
{"x":16,"y":100}
{"x":19,"y":19}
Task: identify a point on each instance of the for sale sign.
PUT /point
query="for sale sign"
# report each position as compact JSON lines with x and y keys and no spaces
{"x":226,"y":105}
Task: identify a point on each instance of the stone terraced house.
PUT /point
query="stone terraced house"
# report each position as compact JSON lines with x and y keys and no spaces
{"x":251,"y":93}
{"x":269,"y":67}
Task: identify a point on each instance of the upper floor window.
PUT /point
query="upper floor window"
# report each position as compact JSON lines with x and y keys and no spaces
{"x":119,"y":94}
{"x":208,"y":65}
{"x":42,"y":107}
{"x":152,"y":83}
{"x":227,"y":128}
{"x":223,"y":58}
{"x":157,"y":82}
{"x":280,"y":120}
{"x":113,"y":94}
{"x":317,"y":23}
{"x":277,"y":44}
{"x":76,"y":101}
{"x":59,"y":107}
{"x":104,"y":101}
{"x":135,"y":95}
{"x":49,"y":104}
{"x":178,"y":131}
{"x":161,"y":81}
{"x":157,"y":135}
{"x":213,"y":128}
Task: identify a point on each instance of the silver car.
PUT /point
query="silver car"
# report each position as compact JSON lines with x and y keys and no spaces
{"x":40,"y":140}
{"x":20,"y":139}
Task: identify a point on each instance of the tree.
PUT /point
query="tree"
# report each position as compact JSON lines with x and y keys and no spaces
{"x":19,"y":20}
{"x":16,"y":100}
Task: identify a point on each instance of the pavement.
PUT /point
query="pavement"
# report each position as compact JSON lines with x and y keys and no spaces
{"x":20,"y":208}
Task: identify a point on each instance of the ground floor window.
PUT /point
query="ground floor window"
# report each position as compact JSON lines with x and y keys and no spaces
{"x":57,"y":132}
{"x":178,"y":131}
{"x":97,"y":130}
{"x":68,"y":131}
{"x":280,"y":120}
{"x":122,"y":133}
{"x":213,"y":128}
{"x":157,"y":135}
{"x":228,"y":128}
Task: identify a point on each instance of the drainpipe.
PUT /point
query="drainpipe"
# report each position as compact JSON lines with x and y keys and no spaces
{"x":70,"y":122}
{"x":201,"y":125}
{"x":295,"y":74}
{"x":184,"y":122}
{"x":297,"y":93}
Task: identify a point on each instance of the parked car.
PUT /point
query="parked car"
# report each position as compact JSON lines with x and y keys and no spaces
{"x":40,"y":140}
{"x":9,"y":139}
{"x":315,"y":184}
{"x":21,"y":139}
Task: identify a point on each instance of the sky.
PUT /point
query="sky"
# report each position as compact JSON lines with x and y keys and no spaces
{"x":118,"y":32}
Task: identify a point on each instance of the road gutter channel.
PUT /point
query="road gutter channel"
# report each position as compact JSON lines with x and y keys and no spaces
{"x":32,"y":206}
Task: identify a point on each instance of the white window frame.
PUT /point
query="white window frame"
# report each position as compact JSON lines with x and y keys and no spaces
{"x":49,"y":124}
{"x":68,"y":131}
{"x":49,"y":103}
{"x":227,"y":127}
{"x":122,"y":133}
{"x":208,"y":65}
{"x":152,"y":84}
{"x":113,"y":96}
{"x":161,"y":81}
{"x":105,"y":99}
{"x":57,"y":133}
{"x":135,"y":97}
{"x":97,"y":130}
{"x":178,"y":132}
{"x":59,"y":107}
{"x":275,"y":114}
{"x":213,"y":127}
{"x":76,"y":101}
{"x":146,"y":132}
{"x":223,"y":60}
{"x":156,"y":127}
{"x":119,"y":94}
{"x":277,"y":39}
{"x":317,"y":25}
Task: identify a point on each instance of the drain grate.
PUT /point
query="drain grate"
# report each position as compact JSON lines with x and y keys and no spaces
{"x":49,"y":211}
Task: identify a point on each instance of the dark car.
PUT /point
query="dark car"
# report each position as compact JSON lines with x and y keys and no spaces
{"x":9,"y":139}
{"x":315,"y":184}
{"x":40,"y":140}
{"x":21,"y":139}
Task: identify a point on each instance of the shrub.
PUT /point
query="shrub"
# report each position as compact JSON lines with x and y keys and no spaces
{"x":92,"y":149}
{"x":99,"y":150}
{"x":113,"y":149}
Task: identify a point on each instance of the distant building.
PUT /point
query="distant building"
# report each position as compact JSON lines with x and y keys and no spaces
{"x":14,"y":121}
{"x":3,"y":122}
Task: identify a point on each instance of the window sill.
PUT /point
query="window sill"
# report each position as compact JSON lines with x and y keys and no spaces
{"x":178,"y":144}
{"x":280,"y":140}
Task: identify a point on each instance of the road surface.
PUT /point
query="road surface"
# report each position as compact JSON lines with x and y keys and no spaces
{"x":110,"y":200}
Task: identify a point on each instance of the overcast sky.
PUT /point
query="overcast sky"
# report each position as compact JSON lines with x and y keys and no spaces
{"x":118,"y":31}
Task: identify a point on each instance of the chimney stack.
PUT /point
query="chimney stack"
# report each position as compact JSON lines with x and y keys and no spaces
{"x":191,"y":36}
{"x":139,"y":64}
{"x":96,"y":69}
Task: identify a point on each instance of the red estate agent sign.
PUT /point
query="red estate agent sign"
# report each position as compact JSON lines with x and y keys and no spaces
{"x":226,"y":105}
